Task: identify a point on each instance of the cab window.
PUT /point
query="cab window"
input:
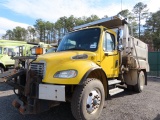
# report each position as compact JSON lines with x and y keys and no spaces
{"x":10,"y":50}
{"x":109,"y":42}
{"x":5,"y":51}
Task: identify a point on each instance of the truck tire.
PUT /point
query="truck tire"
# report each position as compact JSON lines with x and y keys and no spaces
{"x":1,"y":69}
{"x":140,"y":82}
{"x":88,"y":100}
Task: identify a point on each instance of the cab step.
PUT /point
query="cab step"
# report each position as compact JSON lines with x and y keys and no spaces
{"x":115,"y":91}
{"x":112,"y":82}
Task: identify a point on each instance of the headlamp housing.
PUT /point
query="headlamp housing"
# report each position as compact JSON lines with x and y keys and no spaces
{"x":66,"y":74}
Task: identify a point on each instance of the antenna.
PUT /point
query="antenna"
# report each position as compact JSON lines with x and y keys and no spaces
{"x":121,"y":5}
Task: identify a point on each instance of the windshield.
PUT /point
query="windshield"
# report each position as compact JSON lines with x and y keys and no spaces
{"x":81,"y":40}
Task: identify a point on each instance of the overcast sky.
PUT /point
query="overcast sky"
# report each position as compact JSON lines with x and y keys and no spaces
{"x":24,"y":13}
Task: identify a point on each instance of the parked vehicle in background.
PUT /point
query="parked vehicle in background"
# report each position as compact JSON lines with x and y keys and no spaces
{"x":19,"y":48}
{"x":5,"y":60}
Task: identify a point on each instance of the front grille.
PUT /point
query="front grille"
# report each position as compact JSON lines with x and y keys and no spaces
{"x":38,"y":68}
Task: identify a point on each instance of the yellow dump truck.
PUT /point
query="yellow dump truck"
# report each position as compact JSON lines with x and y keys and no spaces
{"x":94,"y":61}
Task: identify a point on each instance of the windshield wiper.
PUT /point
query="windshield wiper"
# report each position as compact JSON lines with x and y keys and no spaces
{"x":76,"y":49}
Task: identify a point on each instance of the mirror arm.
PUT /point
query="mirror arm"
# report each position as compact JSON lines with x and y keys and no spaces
{"x":118,"y":36}
{"x":106,"y":54}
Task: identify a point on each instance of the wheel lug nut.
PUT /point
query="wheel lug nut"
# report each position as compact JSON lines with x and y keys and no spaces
{"x":88,"y":106}
{"x":90,"y":94}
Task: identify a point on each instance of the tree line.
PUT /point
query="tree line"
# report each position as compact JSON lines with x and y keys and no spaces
{"x":48,"y":32}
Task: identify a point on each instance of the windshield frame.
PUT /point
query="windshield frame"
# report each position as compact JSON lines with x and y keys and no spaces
{"x":81,"y":40}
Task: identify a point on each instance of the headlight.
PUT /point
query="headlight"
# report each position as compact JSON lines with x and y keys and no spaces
{"x":66,"y":74}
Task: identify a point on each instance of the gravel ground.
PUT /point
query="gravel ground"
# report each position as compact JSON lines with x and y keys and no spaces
{"x":124,"y":106}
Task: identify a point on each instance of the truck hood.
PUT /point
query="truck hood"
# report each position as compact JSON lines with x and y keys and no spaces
{"x":61,"y":57}
{"x":81,"y":61}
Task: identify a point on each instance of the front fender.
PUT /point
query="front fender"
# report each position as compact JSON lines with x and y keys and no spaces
{"x":82,"y":66}
{"x":88,"y":73}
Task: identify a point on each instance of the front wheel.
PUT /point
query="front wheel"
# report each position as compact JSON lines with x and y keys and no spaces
{"x":140,"y":82}
{"x":88,"y":100}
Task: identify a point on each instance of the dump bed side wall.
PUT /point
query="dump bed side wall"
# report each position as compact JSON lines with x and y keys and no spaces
{"x":139,"y":48}
{"x":139,"y":51}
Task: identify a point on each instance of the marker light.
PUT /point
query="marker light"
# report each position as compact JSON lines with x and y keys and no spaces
{"x":37,"y":51}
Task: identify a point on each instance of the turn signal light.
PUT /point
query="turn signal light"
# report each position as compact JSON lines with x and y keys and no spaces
{"x":37,"y":51}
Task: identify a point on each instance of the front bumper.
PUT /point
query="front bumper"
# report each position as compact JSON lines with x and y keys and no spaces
{"x":51,"y":92}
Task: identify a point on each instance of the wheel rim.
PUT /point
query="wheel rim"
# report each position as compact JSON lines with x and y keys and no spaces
{"x":142,"y":80}
{"x":93,"y":101}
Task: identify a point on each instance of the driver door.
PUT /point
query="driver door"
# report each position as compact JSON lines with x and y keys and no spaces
{"x":7,"y":59}
{"x":110,"y":56}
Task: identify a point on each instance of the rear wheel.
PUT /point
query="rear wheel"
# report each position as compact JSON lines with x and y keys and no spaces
{"x":88,"y":100}
{"x":140,"y":82}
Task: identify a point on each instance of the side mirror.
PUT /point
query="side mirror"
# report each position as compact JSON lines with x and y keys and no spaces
{"x":120,"y":47}
{"x":121,"y":33}
{"x":120,"y":36}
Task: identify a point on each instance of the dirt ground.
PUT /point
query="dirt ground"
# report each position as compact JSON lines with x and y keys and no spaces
{"x":124,"y":106}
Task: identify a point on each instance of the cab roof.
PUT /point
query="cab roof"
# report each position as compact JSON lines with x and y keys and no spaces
{"x":110,"y":22}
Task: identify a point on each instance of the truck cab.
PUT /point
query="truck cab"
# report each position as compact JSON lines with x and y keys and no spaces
{"x":5,"y":59}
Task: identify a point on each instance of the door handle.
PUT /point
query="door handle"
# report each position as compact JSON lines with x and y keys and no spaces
{"x":116,"y":64}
